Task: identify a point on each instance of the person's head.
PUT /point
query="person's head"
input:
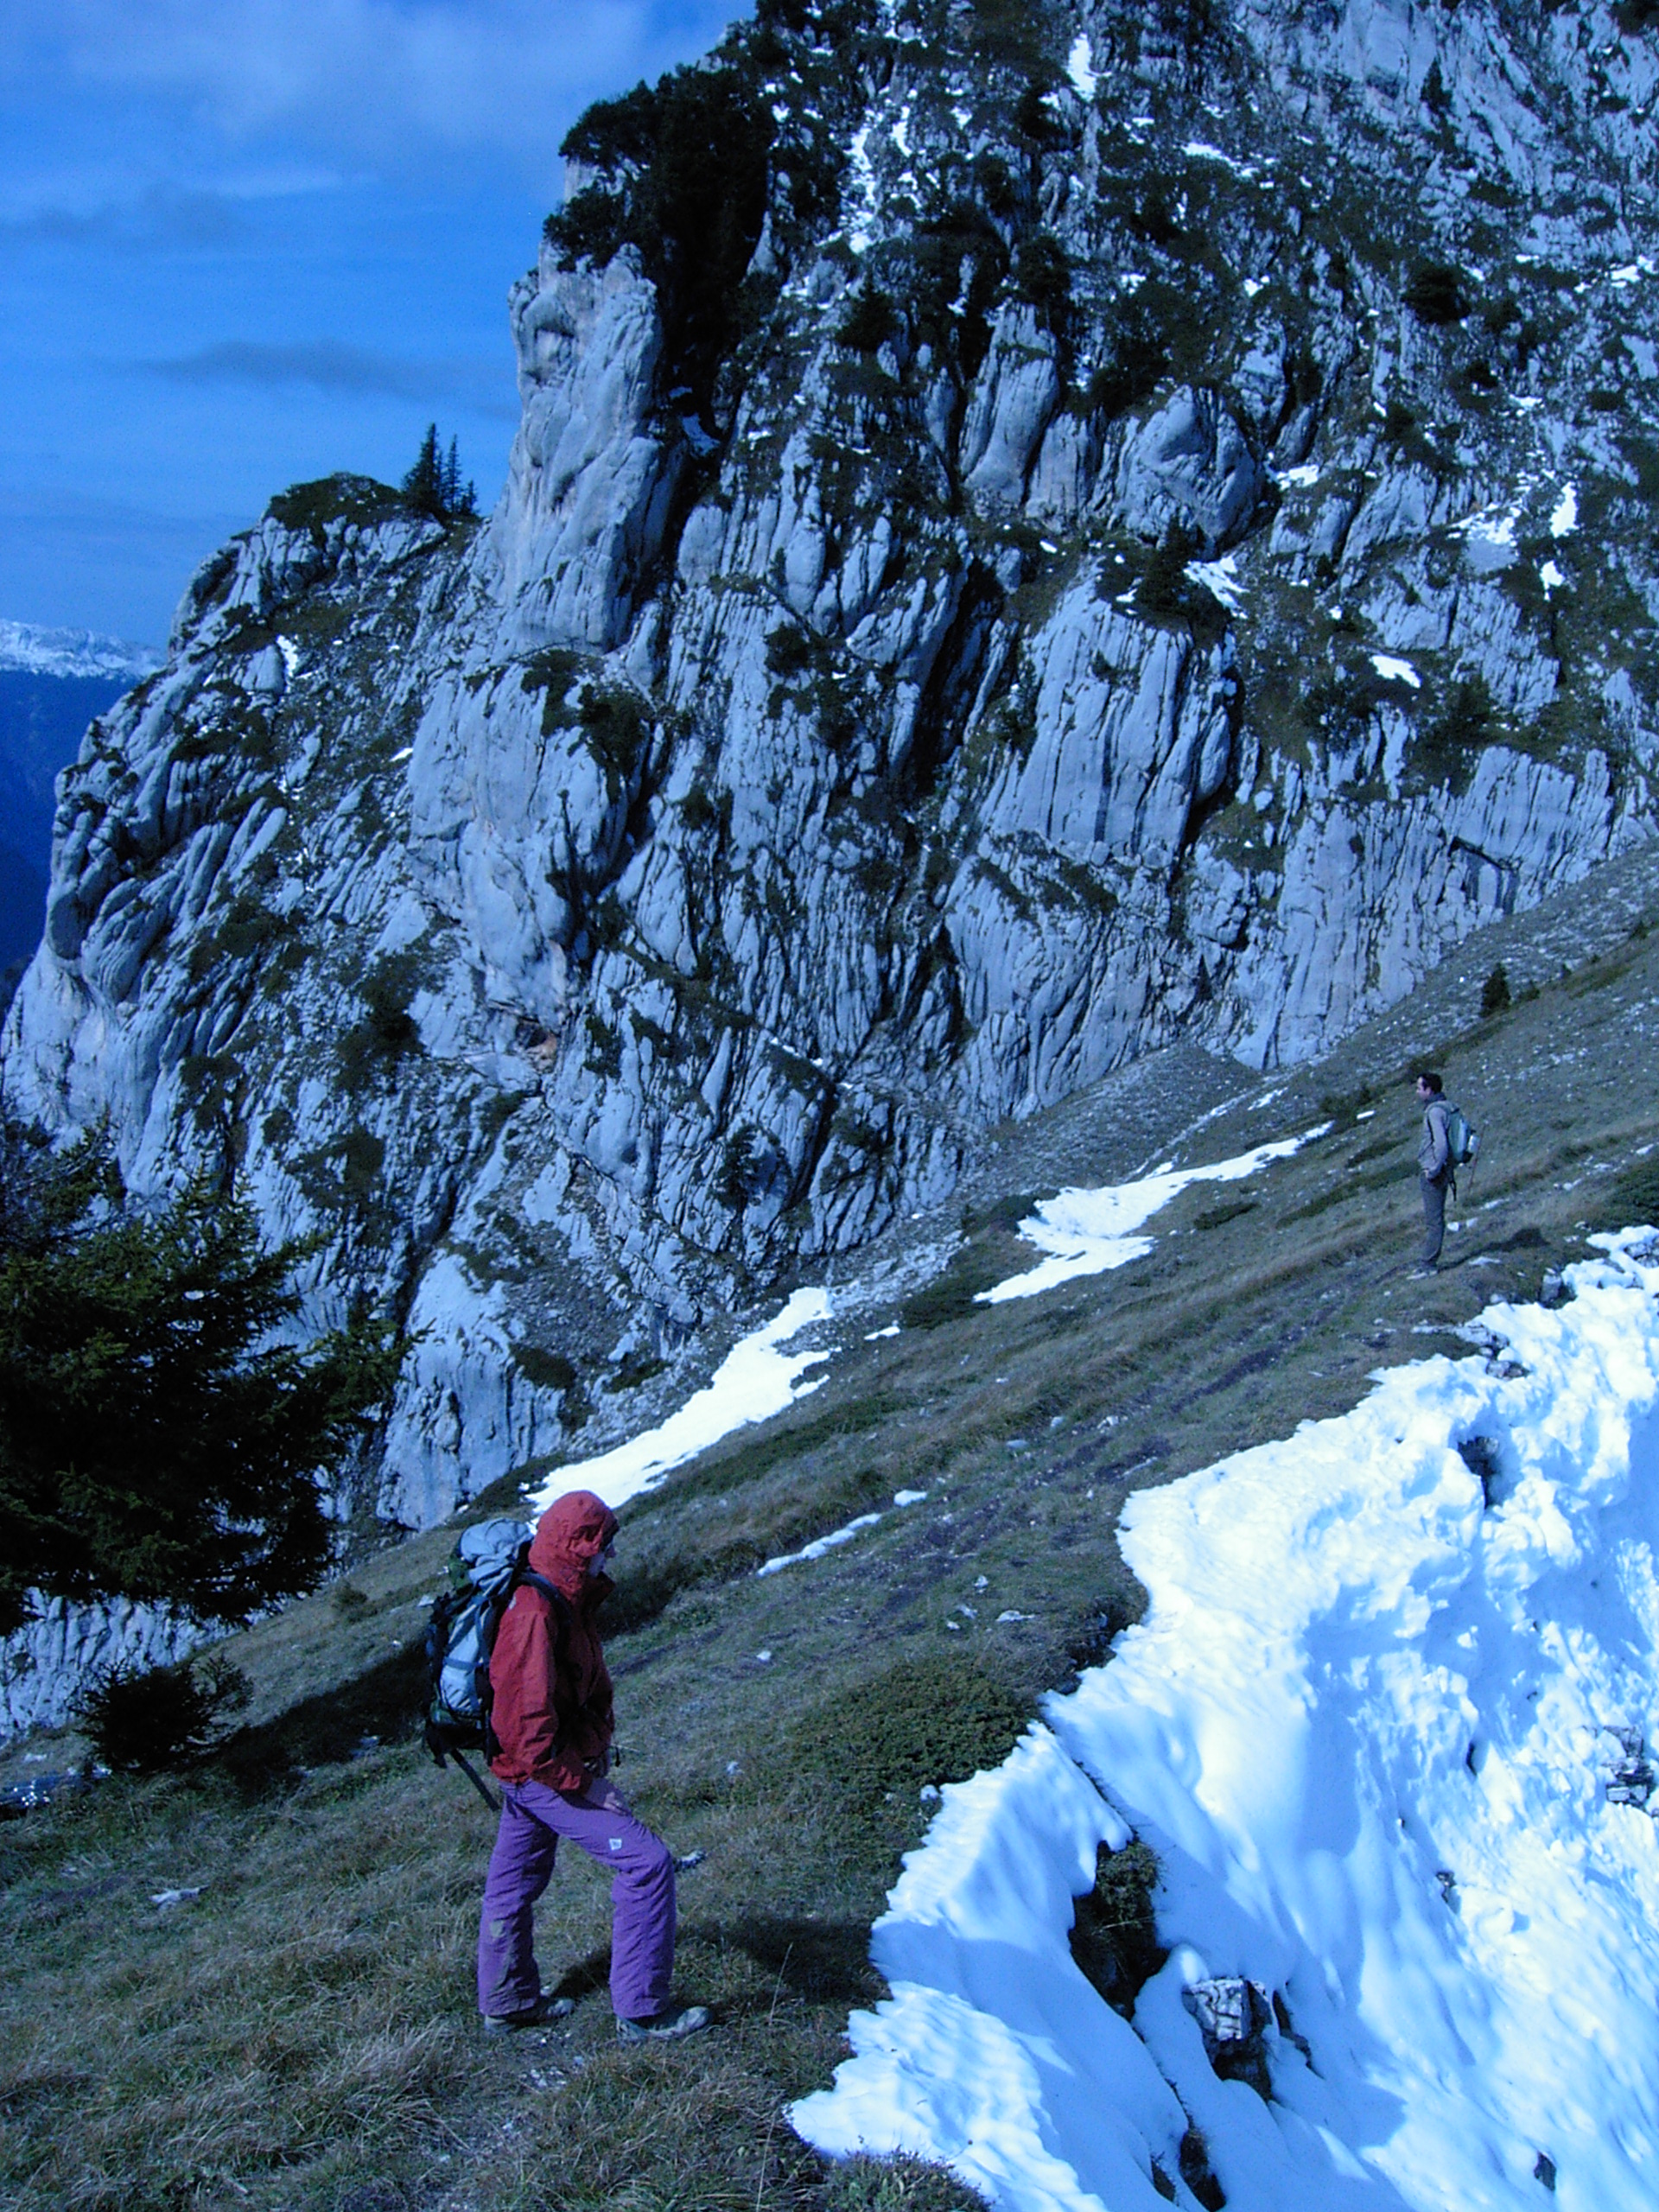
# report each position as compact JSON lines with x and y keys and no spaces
{"x":573,"y":1540}
{"x":1429,"y":1084}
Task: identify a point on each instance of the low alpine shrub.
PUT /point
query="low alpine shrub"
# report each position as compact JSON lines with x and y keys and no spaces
{"x":158,"y":1719}
{"x":878,"y":1744}
{"x":1114,"y":1931}
{"x":1633,"y":1197}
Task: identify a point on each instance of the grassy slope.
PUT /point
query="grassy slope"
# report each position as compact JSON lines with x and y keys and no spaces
{"x":304,"y":2034}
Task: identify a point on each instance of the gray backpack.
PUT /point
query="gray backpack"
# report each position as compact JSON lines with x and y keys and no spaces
{"x":491,"y":1561}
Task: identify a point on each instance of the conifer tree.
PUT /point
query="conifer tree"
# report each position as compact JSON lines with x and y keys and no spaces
{"x":432,"y":486}
{"x":155,"y":1443}
{"x":424,"y":487}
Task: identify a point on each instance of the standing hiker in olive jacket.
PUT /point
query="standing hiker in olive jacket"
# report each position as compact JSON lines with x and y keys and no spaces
{"x":552,"y":1718}
{"x":1434,"y":1165}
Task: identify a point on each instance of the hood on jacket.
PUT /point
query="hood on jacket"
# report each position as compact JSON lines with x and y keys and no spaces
{"x":573,"y":1532}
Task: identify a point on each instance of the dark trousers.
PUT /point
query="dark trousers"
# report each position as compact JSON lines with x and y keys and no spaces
{"x":1434,"y":1190}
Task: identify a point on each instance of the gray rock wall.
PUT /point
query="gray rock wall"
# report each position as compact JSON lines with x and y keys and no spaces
{"x":1169,"y":560}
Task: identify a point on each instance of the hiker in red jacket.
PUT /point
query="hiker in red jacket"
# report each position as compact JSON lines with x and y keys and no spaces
{"x":551,"y":1715}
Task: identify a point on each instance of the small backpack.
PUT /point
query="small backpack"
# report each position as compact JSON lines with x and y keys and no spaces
{"x":1462,"y":1138}
{"x":491,"y":1561}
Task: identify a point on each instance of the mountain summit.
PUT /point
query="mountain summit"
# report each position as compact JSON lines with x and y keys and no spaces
{"x":1034,"y":532}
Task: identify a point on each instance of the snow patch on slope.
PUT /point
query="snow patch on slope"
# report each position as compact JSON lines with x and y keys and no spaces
{"x":758,"y":1378}
{"x":1087,"y":1232}
{"x":1369,"y":1726}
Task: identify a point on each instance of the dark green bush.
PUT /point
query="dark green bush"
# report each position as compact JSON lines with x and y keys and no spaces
{"x":342,"y":497}
{"x":996,"y":185}
{"x":954,"y":318}
{"x":1494,"y":992}
{"x":951,"y":1296}
{"x":1005,"y":1213}
{"x":1216,"y":1216}
{"x":1042,"y":274}
{"x":1435,"y":293}
{"x":875,"y":1745}
{"x":1446,"y":750}
{"x":746,"y":1166}
{"x":1168,"y":594}
{"x":362,"y":1155}
{"x":158,"y":1720}
{"x":551,"y":672}
{"x":1632,"y":1198}
{"x":869,"y":322}
{"x":1115,"y":1928}
{"x":616,"y":730}
{"x":548,"y":1371}
{"x":683,"y":166}
{"x":647,"y":1585}
{"x":370,"y":1048}
{"x":1135,"y":362}
{"x":1010,"y":32}
{"x":630,"y":1372}
{"x":789,"y":651}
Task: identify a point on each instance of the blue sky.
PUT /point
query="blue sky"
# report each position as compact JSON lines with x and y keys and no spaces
{"x":245,"y":242}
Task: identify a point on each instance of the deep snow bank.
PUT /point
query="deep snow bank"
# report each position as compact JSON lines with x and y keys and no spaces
{"x":1368,"y":1726}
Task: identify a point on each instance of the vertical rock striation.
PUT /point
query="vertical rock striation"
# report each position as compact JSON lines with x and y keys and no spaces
{"x":1033,"y":531}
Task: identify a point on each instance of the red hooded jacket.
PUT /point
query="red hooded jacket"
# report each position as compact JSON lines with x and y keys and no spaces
{"x":552,"y":1694}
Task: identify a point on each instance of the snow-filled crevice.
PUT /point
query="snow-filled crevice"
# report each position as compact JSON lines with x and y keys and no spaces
{"x":1388,"y":1740}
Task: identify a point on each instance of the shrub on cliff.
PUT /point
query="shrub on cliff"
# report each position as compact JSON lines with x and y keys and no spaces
{"x":681,"y":173}
{"x":1435,"y":294}
{"x":155,"y":1443}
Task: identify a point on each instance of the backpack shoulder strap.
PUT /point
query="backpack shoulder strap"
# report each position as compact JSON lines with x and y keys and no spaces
{"x":558,"y":1604}
{"x":559,"y":1607}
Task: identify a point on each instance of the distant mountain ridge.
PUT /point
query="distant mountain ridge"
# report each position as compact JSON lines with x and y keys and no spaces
{"x":51,"y":684}
{"x":42,"y":652}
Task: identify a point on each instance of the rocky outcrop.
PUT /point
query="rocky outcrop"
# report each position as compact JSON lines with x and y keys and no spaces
{"x":1158,"y":542}
{"x":44,"y":1667}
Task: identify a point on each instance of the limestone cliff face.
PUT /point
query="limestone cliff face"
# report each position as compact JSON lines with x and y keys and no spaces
{"x":1156,"y":537}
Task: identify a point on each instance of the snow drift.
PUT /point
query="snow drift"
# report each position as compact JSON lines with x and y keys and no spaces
{"x":1383,"y":1726}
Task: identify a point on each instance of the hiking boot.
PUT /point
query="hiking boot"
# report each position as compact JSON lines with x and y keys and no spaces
{"x":546,"y":2009}
{"x":665,"y":2027}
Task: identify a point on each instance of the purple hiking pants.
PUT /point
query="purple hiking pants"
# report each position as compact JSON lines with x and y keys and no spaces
{"x":533,"y":1818}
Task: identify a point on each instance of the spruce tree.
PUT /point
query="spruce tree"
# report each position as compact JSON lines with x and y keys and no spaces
{"x":423,"y":488}
{"x":156,"y":1442}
